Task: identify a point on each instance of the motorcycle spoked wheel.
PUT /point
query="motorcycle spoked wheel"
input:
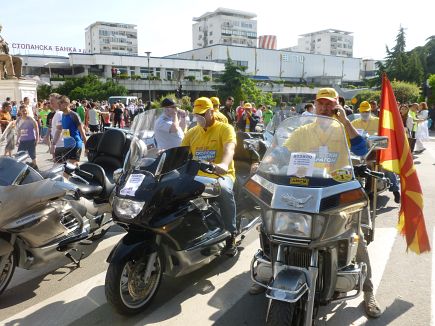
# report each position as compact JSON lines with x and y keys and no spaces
{"x":7,"y":272}
{"x":125,"y":287}
{"x":285,"y":314}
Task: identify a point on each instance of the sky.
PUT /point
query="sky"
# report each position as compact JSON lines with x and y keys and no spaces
{"x":165,"y":26}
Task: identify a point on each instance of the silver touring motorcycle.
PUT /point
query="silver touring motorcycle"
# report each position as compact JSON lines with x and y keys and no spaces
{"x":312,"y":207}
{"x":44,"y":218}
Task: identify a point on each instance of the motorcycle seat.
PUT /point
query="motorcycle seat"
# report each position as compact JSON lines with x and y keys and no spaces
{"x":99,"y":185}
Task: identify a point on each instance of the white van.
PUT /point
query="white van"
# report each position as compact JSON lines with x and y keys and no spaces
{"x":124,"y":99}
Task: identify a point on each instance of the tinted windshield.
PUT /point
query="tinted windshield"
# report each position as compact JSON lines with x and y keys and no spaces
{"x":308,"y":147}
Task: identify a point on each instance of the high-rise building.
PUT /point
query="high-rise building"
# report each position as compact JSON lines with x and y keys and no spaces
{"x":224,"y":26}
{"x":328,"y":41}
{"x":111,"y":38}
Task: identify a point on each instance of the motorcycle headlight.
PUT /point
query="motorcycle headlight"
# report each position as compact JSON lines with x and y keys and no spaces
{"x":292,"y":224}
{"x":127,"y":208}
{"x":298,"y":224}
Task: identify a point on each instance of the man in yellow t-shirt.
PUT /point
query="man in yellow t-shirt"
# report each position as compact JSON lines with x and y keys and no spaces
{"x":218,"y":115}
{"x":367,"y":123}
{"x":214,"y":141}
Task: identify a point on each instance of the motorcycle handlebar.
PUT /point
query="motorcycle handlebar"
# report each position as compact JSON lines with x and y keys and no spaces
{"x":208,"y":168}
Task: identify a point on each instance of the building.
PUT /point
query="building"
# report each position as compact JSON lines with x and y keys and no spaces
{"x":111,"y":38}
{"x":269,"y":64}
{"x":224,"y":26}
{"x":328,"y":42}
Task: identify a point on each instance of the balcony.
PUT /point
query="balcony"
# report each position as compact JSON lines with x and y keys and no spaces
{"x":167,"y":85}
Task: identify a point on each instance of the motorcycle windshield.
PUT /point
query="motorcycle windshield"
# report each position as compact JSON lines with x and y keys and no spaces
{"x":308,"y":151}
{"x":143,"y":149}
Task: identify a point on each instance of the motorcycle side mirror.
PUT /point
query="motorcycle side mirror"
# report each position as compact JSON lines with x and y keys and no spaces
{"x":117,"y":175}
{"x":377,"y":142}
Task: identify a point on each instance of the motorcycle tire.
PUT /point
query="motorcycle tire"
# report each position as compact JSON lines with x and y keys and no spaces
{"x":283,"y":314}
{"x":7,"y":272}
{"x":124,"y":287}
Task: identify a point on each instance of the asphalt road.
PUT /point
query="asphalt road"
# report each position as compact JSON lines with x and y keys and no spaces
{"x":218,"y":293}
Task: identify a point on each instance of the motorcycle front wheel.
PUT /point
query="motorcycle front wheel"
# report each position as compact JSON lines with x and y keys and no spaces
{"x":126,"y":287}
{"x":284,"y":314}
{"x":8,"y":271}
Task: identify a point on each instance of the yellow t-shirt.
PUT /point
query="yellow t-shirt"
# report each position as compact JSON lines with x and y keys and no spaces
{"x":208,"y":145}
{"x":330,"y":146}
{"x":371,"y":126}
{"x":220,"y":116}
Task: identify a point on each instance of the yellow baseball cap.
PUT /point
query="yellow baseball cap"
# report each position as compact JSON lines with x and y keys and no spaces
{"x":247,"y":106}
{"x":215,"y":101}
{"x":364,"y":107}
{"x":327,"y":93}
{"x":201,"y":105}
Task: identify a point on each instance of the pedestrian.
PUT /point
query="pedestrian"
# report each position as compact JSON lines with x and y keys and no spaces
{"x":346,"y":108}
{"x":42,"y":114}
{"x":228,"y":111}
{"x":374,"y":108}
{"x":56,"y":148}
{"x":248,"y":120}
{"x":28,"y":134}
{"x":267,"y":115}
{"x":169,"y":127}
{"x":93,"y":118}
{"x":309,"y":109}
{"x":5,"y":115}
{"x":9,"y":136}
{"x":72,"y":129}
{"x":218,"y":115}
{"x":422,"y":131}
{"x":117,"y":115}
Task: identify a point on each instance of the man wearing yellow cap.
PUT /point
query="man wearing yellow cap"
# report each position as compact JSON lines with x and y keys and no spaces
{"x":214,"y":141}
{"x":218,"y":115}
{"x":367,"y":123}
{"x":248,"y":119}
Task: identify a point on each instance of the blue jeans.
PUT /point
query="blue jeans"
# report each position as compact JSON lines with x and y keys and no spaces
{"x":394,"y":186}
{"x":227,"y":204}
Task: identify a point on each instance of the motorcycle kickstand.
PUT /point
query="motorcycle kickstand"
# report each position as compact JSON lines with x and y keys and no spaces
{"x":73,"y":260}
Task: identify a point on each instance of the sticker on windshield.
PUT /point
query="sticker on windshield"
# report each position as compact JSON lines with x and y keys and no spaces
{"x":301,"y":164}
{"x":342,"y":175}
{"x":299,"y":181}
{"x":133,"y":183}
{"x":205,"y":154}
{"x":327,"y":158}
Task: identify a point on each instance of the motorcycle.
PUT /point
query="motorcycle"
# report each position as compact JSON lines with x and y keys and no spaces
{"x":311,"y":205}
{"x":172,"y":220}
{"x":43,"y":217}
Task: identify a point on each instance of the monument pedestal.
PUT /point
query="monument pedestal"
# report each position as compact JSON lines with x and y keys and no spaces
{"x":17,"y":89}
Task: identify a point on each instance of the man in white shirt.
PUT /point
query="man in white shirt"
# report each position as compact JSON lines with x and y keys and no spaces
{"x":57,"y":118}
{"x":309,"y":109}
{"x":169,"y":127}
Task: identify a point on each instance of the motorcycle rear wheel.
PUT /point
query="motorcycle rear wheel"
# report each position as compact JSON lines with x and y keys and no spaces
{"x":284,"y":314}
{"x":125,"y":288}
{"x":7,"y":272}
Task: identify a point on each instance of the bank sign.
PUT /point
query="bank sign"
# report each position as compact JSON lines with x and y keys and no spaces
{"x":31,"y":48}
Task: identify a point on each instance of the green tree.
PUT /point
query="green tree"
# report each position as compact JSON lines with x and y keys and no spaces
{"x":232,"y":80}
{"x":415,"y":69}
{"x":44,"y":91}
{"x":90,"y":87}
{"x":405,"y":92}
{"x":431,"y":81}
{"x":252,"y":93}
{"x":396,"y":61}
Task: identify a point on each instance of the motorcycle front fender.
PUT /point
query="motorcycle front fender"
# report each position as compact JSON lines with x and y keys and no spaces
{"x":133,"y":245}
{"x":289,"y":285}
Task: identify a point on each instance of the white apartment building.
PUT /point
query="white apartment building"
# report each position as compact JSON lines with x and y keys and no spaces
{"x":224,"y":26}
{"x":111,"y":38}
{"x":328,"y":42}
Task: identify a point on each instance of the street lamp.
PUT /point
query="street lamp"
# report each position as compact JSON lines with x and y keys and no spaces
{"x":149,"y":79}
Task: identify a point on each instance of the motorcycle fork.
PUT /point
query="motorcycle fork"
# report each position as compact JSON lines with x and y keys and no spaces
{"x":5,"y":258}
{"x":152,"y":259}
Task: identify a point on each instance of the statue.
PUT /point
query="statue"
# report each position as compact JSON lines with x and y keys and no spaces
{"x":9,"y":65}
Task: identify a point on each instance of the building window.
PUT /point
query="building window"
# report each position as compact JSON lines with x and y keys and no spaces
{"x":210,"y":42}
{"x":210,"y":33}
{"x":285,"y":57}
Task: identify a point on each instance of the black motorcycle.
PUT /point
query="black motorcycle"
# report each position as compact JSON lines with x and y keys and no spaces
{"x":173,"y":221}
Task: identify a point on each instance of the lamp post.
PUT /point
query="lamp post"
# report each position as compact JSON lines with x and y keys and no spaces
{"x":149,"y":79}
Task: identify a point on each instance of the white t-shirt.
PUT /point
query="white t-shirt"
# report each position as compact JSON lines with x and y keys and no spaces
{"x":30,"y":111}
{"x":56,"y":121}
{"x":163,"y":137}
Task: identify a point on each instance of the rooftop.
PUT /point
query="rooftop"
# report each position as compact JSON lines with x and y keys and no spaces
{"x":330,"y":30}
{"x":226,"y":12}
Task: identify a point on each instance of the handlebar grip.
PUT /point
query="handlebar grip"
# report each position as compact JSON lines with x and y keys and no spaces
{"x":207,"y":167}
{"x":378,"y":175}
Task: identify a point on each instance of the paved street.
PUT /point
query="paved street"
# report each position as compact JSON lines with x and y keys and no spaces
{"x":218,"y":294}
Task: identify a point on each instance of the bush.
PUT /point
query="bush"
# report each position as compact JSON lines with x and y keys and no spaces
{"x":190,"y":78}
{"x":206,"y":78}
{"x":123,"y":76}
{"x":136,"y":77}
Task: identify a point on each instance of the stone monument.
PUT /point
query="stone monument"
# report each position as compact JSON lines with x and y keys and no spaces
{"x":11,"y":82}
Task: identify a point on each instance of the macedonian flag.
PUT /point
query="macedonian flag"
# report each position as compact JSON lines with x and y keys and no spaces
{"x":398,"y":159}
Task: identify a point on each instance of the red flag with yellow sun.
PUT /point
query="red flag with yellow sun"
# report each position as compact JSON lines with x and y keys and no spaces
{"x":397,"y":158}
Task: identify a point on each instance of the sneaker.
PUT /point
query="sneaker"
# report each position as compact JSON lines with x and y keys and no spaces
{"x":396,"y":196}
{"x":256,"y":289}
{"x":231,"y":249}
{"x":371,"y":305}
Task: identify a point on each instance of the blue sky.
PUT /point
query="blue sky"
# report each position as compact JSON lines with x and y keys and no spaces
{"x":165,"y":26}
